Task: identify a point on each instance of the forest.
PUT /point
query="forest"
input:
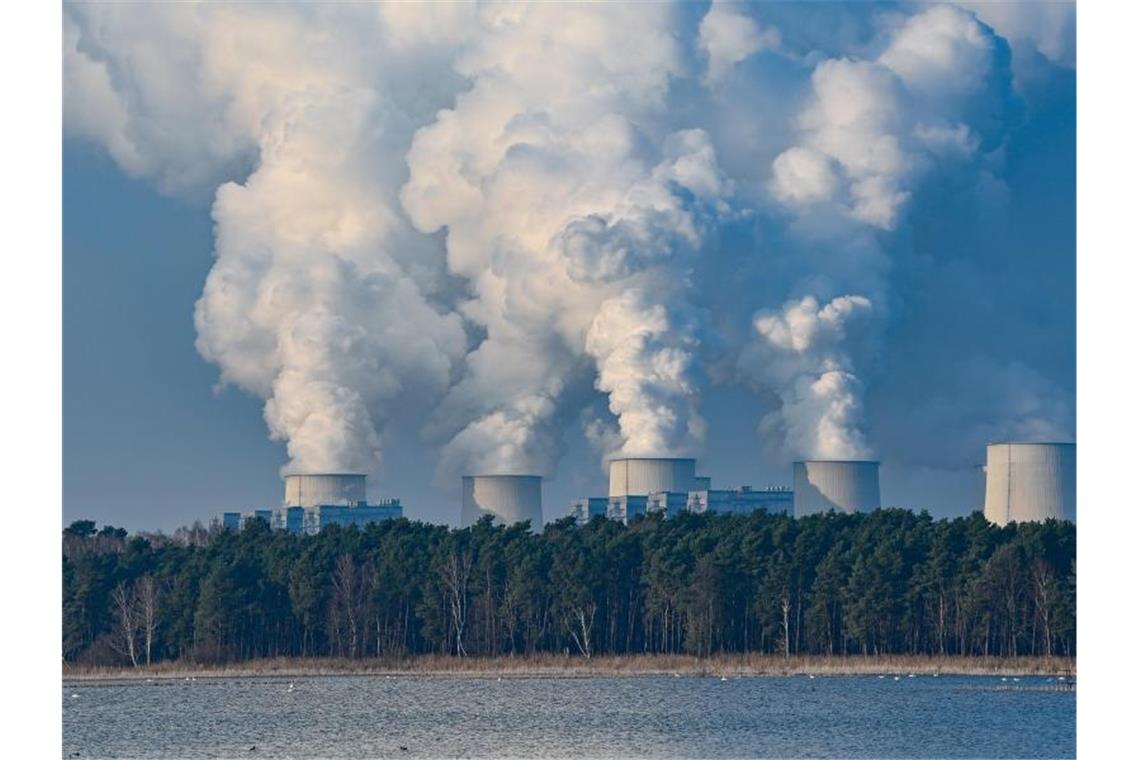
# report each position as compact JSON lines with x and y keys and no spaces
{"x":888,"y":582}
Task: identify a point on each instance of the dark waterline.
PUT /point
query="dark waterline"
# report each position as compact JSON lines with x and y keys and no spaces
{"x":849,"y":716}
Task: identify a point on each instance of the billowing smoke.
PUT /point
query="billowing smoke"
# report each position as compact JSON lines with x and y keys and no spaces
{"x":935,"y":99}
{"x":493,"y":217}
{"x":575,"y":213}
{"x":803,"y":353}
{"x":322,"y":300}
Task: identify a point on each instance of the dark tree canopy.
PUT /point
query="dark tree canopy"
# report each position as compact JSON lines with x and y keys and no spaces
{"x":888,"y":582}
{"x":81,"y":528}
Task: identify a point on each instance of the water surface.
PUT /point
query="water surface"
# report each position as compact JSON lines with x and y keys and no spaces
{"x":378,"y":716}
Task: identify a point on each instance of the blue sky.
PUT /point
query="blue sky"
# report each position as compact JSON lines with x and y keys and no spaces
{"x":951,"y":266}
{"x":147,"y":443}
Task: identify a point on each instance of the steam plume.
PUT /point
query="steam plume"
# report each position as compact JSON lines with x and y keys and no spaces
{"x":575,"y":225}
{"x":492,"y":216}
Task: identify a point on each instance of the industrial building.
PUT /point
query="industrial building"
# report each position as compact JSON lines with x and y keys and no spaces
{"x":315,"y":501}
{"x":666,"y":503}
{"x":588,"y":507}
{"x":625,"y":508}
{"x":741,"y":500}
{"x":669,"y":486}
{"x":1031,"y":482}
{"x":509,"y":498}
{"x":843,"y":486}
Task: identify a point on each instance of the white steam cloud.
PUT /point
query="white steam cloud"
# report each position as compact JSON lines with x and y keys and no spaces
{"x":489,"y":216}
{"x":869,"y":134}
{"x":575,"y":225}
{"x":803,"y":353}
{"x":321,"y":300}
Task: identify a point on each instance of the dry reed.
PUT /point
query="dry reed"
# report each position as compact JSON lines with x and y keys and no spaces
{"x":564,"y":666}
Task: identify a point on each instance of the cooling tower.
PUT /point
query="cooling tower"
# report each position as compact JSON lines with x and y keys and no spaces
{"x":1031,"y":482}
{"x":510,"y":498}
{"x":843,"y":486}
{"x":643,"y":476}
{"x":328,"y":489}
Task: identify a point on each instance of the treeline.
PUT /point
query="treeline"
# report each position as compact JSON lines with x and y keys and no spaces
{"x":889,"y":582}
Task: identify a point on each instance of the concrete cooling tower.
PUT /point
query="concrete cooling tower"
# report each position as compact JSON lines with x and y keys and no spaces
{"x":643,"y":476}
{"x":843,"y":486}
{"x":510,"y":498}
{"x":326,"y":489}
{"x":1031,"y":482}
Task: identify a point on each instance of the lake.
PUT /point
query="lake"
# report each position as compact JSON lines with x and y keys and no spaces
{"x":377,"y":716}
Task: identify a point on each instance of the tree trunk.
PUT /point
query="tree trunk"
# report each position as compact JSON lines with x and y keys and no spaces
{"x":584,"y":619}
{"x":457,"y":572}
{"x":125,"y":607}
{"x":785,"y":607}
{"x":147,"y":593}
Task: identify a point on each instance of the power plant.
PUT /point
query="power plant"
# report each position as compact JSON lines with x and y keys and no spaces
{"x":509,"y":498}
{"x":1023,"y":482}
{"x":1031,"y":482}
{"x":669,"y":486}
{"x":739,"y":500}
{"x":316,"y":500}
{"x":844,"y":486}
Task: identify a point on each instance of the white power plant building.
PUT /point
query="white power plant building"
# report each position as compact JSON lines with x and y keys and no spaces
{"x":314,"y":501}
{"x":1031,"y":482}
{"x":641,"y":476}
{"x":510,"y":498}
{"x":843,"y":486}
{"x":742,"y":500}
{"x":669,"y":486}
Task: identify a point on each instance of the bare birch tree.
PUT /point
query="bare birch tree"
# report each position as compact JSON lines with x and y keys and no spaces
{"x":1044,"y":584}
{"x":124,"y":607}
{"x":146,"y":595}
{"x":582,"y":616}
{"x":785,"y":608}
{"x":456,"y":576}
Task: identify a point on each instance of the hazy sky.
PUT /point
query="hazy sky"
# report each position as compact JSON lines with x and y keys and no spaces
{"x":425,"y":241}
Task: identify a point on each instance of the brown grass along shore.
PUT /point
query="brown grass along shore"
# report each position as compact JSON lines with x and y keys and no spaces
{"x":559,"y":666}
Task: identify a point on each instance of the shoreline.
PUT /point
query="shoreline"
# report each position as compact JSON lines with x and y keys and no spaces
{"x":557,"y":666}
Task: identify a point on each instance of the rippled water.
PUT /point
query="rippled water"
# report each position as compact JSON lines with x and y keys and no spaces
{"x":379,"y":716}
